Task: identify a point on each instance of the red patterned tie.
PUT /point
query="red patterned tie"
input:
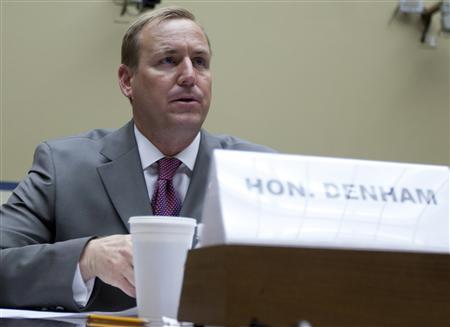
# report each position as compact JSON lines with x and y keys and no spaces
{"x":165,"y":200}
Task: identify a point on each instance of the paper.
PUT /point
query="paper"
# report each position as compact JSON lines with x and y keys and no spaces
{"x":79,"y":317}
{"x":32,"y":314}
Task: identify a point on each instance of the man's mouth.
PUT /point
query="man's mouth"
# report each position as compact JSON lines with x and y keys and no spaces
{"x":186,"y":99}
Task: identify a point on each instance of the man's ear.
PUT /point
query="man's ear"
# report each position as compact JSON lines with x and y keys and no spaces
{"x":125,"y":77}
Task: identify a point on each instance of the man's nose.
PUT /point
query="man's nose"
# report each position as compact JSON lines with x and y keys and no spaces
{"x":187,"y":75}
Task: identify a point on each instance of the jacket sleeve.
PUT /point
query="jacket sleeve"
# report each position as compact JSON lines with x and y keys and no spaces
{"x":35,"y":270}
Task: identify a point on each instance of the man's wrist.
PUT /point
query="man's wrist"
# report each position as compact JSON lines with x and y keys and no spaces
{"x":81,"y":290}
{"x":86,"y":263}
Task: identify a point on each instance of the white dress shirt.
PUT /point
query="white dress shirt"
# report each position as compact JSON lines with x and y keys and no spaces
{"x":149,"y":155}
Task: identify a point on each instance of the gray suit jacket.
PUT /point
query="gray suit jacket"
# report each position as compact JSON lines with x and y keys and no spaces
{"x":78,"y":188}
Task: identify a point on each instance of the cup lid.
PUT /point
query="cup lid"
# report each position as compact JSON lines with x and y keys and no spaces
{"x":162,"y":220}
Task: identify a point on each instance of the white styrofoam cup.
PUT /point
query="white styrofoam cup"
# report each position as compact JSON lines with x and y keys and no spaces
{"x":160,"y":245}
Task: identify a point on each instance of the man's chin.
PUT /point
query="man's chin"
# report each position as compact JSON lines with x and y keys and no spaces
{"x":186,"y":121}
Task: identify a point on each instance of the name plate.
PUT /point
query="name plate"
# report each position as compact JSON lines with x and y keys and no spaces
{"x":279,"y":199}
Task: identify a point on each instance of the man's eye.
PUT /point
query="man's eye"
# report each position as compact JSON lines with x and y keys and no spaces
{"x":167,"y":60}
{"x":200,"y":62}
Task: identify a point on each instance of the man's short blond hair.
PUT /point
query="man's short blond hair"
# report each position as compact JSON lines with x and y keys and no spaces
{"x":130,"y":41}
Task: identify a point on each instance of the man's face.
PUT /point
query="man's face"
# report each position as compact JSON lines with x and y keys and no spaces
{"x":170,"y":89}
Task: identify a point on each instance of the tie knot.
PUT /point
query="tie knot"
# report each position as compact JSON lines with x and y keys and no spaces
{"x":167,"y":167}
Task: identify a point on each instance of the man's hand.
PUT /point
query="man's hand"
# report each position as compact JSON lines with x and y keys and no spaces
{"x":110,"y":259}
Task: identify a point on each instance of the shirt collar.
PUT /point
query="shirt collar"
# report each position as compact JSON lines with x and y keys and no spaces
{"x":149,"y":153}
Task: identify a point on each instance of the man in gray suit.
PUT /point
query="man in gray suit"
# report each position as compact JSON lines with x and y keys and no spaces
{"x":64,"y":232}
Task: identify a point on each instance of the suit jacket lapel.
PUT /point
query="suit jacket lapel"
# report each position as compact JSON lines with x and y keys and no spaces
{"x":123,"y":177}
{"x":193,"y":202}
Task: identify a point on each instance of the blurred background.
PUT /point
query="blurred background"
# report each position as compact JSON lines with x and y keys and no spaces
{"x":327,"y":78}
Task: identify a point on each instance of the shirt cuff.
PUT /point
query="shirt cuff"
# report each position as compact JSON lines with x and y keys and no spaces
{"x":81,"y":290}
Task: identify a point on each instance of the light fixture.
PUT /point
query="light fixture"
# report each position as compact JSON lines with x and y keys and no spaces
{"x":426,"y":13}
{"x":411,"y":6}
{"x":445,"y":16}
{"x":139,"y":6}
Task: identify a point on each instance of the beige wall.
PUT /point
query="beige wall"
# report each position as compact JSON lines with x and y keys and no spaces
{"x":325,"y":78}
